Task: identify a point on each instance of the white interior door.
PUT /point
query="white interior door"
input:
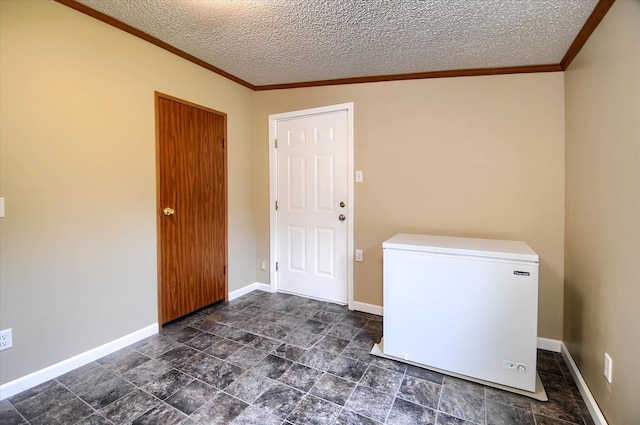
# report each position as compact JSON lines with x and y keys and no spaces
{"x":313,"y":205}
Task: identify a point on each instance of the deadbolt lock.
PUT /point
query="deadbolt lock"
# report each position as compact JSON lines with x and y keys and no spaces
{"x":342,"y":204}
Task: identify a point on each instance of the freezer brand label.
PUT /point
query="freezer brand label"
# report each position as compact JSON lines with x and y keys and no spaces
{"x":519,"y":273}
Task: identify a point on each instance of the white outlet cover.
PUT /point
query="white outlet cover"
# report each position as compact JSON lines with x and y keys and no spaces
{"x":6,"y":340}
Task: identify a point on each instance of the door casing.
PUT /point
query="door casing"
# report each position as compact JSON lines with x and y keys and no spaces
{"x":273,"y":189}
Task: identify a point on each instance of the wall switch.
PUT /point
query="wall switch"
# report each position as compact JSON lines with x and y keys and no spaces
{"x":6,"y":340}
{"x":358,"y":255}
{"x":1,"y":207}
{"x":359,"y":176}
{"x":263,"y":265}
{"x":608,"y":367}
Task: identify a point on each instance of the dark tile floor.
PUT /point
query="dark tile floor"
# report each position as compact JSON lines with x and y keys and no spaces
{"x":280,"y":359}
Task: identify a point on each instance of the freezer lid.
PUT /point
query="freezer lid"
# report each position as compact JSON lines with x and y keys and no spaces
{"x":488,"y":248}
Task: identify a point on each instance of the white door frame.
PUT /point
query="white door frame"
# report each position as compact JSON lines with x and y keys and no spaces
{"x":273,"y":189}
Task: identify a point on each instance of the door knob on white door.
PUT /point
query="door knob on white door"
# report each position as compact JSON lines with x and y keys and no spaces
{"x":342,"y":217}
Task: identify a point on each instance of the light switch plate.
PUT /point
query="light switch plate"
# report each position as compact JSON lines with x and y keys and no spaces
{"x":359,"y":176}
{"x":1,"y":207}
{"x":608,"y":367}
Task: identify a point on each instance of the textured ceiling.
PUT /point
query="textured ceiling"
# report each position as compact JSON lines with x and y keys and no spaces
{"x":267,"y":42}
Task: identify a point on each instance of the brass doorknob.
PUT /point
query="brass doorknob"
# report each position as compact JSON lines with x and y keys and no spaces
{"x":342,"y":217}
{"x":168,"y":211}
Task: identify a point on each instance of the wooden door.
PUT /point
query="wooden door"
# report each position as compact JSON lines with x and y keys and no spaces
{"x":313,"y":205}
{"x":192,"y":207}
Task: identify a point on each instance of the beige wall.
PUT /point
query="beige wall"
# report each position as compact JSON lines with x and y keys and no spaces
{"x":602,"y":279}
{"x":476,"y":156}
{"x":77,"y":169}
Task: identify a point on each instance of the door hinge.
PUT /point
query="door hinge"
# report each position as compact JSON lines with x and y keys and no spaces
{"x":224,"y":143}
{"x":276,"y":205}
{"x":225,"y":270}
{"x":276,"y":266}
{"x":275,"y":143}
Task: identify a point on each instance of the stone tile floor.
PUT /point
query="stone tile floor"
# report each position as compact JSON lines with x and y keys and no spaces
{"x":280,"y":359}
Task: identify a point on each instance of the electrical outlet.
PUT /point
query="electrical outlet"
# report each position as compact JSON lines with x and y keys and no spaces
{"x":263,"y":265}
{"x":6,"y":341}
{"x":608,"y":367}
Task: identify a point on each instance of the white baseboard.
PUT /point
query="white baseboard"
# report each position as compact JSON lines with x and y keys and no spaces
{"x":43,"y":375}
{"x":554,"y":345}
{"x":591,"y":403}
{"x":368,"y":308}
{"x":249,"y":288}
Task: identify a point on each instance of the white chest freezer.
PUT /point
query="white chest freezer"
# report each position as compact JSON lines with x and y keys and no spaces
{"x":464,"y":305}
